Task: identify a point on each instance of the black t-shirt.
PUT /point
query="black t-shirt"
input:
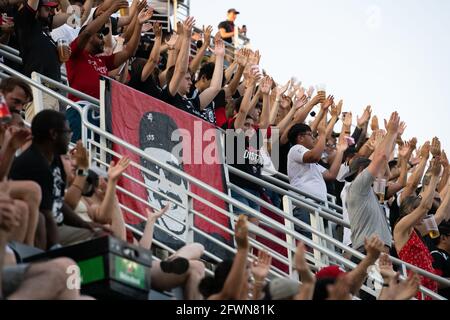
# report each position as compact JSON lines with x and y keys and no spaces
{"x":37,"y":48}
{"x":148,"y":86}
{"x":32,"y":165}
{"x":248,"y":160}
{"x":229,"y":27}
{"x":208,"y":113}
{"x":442,"y":264}
{"x":191,"y":106}
{"x":284,"y":151}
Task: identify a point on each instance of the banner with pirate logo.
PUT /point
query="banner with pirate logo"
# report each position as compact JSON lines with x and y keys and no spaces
{"x":178,"y":139}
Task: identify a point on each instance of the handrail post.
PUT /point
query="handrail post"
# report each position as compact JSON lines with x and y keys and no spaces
{"x":175,"y":12}
{"x":38,"y":99}
{"x":288,"y":208}
{"x":190,"y":220}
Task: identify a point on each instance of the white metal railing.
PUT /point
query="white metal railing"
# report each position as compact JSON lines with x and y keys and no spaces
{"x":289,"y":245}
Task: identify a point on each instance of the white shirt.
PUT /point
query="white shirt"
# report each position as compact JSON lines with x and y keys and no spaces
{"x":268,"y":168}
{"x":306,"y":176}
{"x":65,"y":32}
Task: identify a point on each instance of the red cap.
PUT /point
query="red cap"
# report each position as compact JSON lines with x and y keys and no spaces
{"x":329,"y":272}
{"x":48,"y":3}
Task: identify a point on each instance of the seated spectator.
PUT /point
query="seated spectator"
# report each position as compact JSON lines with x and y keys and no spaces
{"x":226,"y":28}
{"x":93,"y":199}
{"x":409,"y":228}
{"x":41,"y":163}
{"x":182,"y":269}
{"x":17,"y":93}
{"x":441,"y":257}
{"x":303,"y":169}
{"x":85,"y":66}
{"x":36,"y":281}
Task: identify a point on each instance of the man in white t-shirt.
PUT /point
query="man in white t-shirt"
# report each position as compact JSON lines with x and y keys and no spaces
{"x":304,"y":171}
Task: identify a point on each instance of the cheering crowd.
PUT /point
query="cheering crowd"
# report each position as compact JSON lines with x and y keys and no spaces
{"x":395,"y":194}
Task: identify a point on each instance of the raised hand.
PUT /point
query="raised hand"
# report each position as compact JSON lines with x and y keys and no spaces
{"x":188,"y":25}
{"x":145,"y":15}
{"x":117,"y":5}
{"x":435,"y":166}
{"x":261,"y":266}
{"x":404,"y":150}
{"x":81,"y":156}
{"x":154,"y":216}
{"x":266,"y":85}
{"x":393,"y":125}
{"x":207,"y":34}
{"x":386,"y":268}
{"x":116,"y":171}
{"x":310,"y":92}
{"x":328,"y":102}
{"x":361,"y":121}
{"x":301,"y":102}
{"x":320,"y":97}
{"x":282,"y":90}
{"x":374,"y":124}
{"x":401,"y":129}
{"x":241,"y":233}
{"x":301,"y":265}
{"x":242,"y":57}
{"x":425,"y":150}
{"x":219,"y":48}
{"x":342,"y":146}
{"x":413,"y":143}
{"x":348,"y":119}
{"x":435,"y":147}
{"x":16,"y":137}
{"x":374,"y":247}
{"x":146,"y":27}
{"x":157,"y":30}
{"x":172,"y":41}
{"x":336,"y":110}
{"x":252,"y":76}
{"x":444,"y":160}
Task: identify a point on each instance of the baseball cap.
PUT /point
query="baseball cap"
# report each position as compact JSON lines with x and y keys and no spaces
{"x":233,"y":10}
{"x":48,"y":3}
{"x":357,"y":164}
{"x":283,"y":289}
{"x":331,"y":272}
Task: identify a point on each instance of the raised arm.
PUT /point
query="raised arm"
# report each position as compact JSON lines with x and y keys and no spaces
{"x":174,"y":47}
{"x":445,"y":173}
{"x":402,"y":179}
{"x":195,"y":63}
{"x":323,"y":113}
{"x":288,"y":119}
{"x":374,"y":247}
{"x":266,"y":85}
{"x":260,"y":270}
{"x":181,"y":66}
{"x":152,"y":217}
{"x":306,"y":290}
{"x":74,"y":192}
{"x":153,"y":59}
{"x":414,"y":179}
{"x":131,"y":46}
{"x":403,"y":227}
{"x":246,"y":104}
{"x":383,"y":150}
{"x":279,"y":93}
{"x":95,"y":25}
{"x":207,"y":96}
{"x":443,"y":213}
{"x":232,"y":288}
{"x":87,"y":7}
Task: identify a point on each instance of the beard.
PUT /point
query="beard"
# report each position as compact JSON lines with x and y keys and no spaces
{"x":46,"y":22}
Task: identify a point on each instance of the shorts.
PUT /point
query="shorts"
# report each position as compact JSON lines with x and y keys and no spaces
{"x":12,"y":278}
{"x":249,"y":203}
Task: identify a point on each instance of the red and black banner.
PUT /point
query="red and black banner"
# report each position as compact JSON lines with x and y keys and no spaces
{"x":156,"y":127}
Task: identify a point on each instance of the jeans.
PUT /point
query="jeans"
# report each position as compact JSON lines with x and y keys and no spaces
{"x":303,"y":215}
{"x":274,"y":197}
{"x":247,"y":202}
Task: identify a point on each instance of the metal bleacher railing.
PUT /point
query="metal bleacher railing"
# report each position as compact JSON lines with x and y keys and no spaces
{"x":326,"y":249}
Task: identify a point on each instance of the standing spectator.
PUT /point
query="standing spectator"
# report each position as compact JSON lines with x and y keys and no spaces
{"x":34,"y":22}
{"x":366,"y":215}
{"x":86,"y":65}
{"x":303,"y":169}
{"x":41,"y":163}
{"x":441,"y":256}
{"x":226,"y":28}
{"x":17,"y":93}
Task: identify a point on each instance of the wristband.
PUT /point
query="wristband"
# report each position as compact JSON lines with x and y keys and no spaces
{"x":385,"y":285}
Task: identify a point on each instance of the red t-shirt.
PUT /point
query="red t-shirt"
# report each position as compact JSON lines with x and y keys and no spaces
{"x":84,"y":71}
